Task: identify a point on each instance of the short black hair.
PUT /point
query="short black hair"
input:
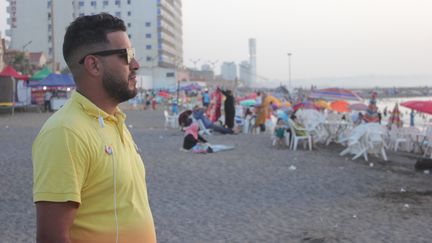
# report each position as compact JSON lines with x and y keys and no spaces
{"x":88,"y":31}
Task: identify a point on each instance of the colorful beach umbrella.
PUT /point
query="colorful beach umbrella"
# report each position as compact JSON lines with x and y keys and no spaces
{"x":340,"y":106}
{"x":271,"y":98}
{"x":419,"y":105}
{"x":249,"y":102}
{"x":358,"y":107}
{"x":322,"y":104}
{"x":305,"y":105}
{"x":164,"y":94}
{"x":248,"y":97}
{"x":335,"y":94}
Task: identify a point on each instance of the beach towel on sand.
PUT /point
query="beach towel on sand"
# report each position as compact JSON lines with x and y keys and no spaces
{"x":203,"y":149}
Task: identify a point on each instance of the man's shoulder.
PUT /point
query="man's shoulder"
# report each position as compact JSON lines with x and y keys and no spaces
{"x":69,"y":117}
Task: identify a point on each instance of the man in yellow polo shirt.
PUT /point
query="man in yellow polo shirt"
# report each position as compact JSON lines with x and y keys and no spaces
{"x":89,"y":179}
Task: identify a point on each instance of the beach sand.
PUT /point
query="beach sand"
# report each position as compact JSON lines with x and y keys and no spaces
{"x":249,"y":194}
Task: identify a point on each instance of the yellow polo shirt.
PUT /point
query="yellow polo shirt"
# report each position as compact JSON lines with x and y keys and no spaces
{"x":76,"y":158}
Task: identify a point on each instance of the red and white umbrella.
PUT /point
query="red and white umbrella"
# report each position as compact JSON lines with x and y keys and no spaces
{"x":419,"y":105}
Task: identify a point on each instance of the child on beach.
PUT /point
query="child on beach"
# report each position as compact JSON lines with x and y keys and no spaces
{"x":279,"y":133}
{"x":193,"y":141}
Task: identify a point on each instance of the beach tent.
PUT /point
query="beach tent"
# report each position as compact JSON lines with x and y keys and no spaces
{"x":8,"y":89}
{"x":55,"y":80}
{"x":41,"y":74}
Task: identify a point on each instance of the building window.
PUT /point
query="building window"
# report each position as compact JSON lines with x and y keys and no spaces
{"x":147,"y":24}
{"x":93,"y":3}
{"x":50,"y":50}
{"x":49,"y":4}
{"x":49,"y":38}
{"x":148,"y":59}
{"x":129,"y":13}
{"x":148,"y":35}
{"x":118,"y":14}
{"x":49,"y":27}
{"x":129,"y":25}
{"x":117,"y":2}
{"x":81,"y":3}
{"x":81,"y":14}
{"x":105,"y":3}
{"x":130,"y":36}
{"x":129,"y":2}
{"x":148,"y":47}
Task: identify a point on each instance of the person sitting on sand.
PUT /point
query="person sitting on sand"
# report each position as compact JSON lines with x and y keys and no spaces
{"x":193,"y":141}
{"x":183,"y":117}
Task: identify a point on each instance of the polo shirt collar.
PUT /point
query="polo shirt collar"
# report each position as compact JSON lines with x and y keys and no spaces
{"x":92,"y":110}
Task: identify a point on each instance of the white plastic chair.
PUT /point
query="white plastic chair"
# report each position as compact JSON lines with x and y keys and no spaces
{"x":170,"y":120}
{"x":296,"y":138}
{"x":357,"y":144}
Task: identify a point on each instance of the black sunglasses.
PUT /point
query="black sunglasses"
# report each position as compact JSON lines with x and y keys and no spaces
{"x":129,"y":53}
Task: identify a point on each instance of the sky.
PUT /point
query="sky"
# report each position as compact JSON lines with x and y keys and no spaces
{"x":328,"y":39}
{"x":376,"y":40}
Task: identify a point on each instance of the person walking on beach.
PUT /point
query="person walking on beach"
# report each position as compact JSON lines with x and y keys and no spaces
{"x":89,"y":180}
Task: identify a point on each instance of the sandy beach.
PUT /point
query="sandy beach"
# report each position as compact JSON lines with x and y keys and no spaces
{"x":249,"y":194}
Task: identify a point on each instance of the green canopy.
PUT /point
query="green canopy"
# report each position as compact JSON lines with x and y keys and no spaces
{"x":41,"y":74}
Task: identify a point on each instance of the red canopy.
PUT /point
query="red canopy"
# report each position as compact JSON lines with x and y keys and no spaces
{"x":9,"y":71}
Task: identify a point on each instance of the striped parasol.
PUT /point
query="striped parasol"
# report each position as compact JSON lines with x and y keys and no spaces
{"x":395,"y":117}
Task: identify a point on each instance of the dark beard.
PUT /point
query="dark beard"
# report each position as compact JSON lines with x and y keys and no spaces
{"x":117,"y":89}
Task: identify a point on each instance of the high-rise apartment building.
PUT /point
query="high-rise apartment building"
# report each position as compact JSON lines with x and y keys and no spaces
{"x":154,"y":27}
{"x":229,"y":71}
{"x":245,"y":73}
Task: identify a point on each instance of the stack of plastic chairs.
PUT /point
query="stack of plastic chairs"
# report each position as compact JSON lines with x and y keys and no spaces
{"x":357,"y":142}
{"x":427,"y":144}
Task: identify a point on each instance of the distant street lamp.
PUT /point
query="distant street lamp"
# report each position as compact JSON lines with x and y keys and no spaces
{"x":25,"y":45}
{"x":195,"y":62}
{"x":213,"y":66}
{"x":289,"y":70}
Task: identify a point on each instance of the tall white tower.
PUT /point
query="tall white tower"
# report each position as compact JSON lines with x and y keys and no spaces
{"x":252,"y":61}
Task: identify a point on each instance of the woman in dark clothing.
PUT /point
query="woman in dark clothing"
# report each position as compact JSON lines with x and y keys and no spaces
{"x":229,"y":108}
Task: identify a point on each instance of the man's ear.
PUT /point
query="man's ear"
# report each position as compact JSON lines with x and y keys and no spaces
{"x":92,"y":65}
